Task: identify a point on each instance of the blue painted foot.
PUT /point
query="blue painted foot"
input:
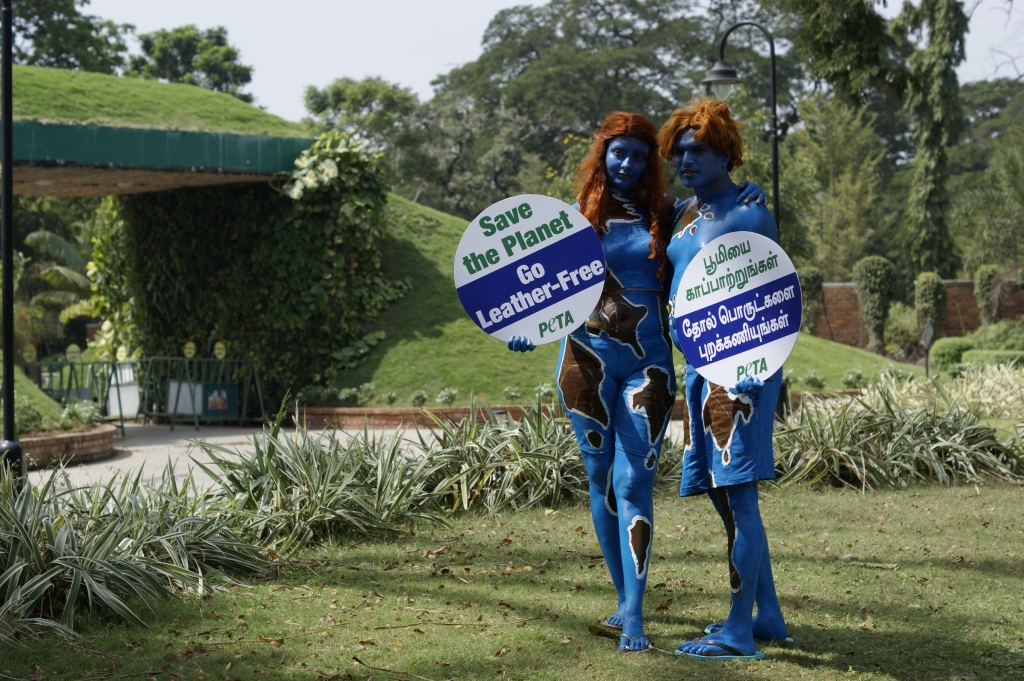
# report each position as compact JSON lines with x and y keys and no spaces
{"x":708,"y":649}
{"x":613,"y":621}
{"x":762,"y":630}
{"x":634,"y":644}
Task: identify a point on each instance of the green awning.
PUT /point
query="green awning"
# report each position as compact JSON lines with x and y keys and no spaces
{"x":92,"y":160}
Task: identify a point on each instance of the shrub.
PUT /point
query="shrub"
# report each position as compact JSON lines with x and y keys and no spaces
{"x":545,"y":392}
{"x":27,"y":418}
{"x":994,"y":357}
{"x":879,"y":440}
{"x":288,"y":490}
{"x":81,"y":412}
{"x":811,"y":280}
{"x":948,"y":352}
{"x":364,"y":394}
{"x":1020,"y":278}
{"x":813,"y":381}
{"x":390,"y":397}
{"x":419,"y":398}
{"x":900,"y":331}
{"x":929,"y":300}
{"x":447,"y":396}
{"x":853,"y":380}
{"x":988,"y":304}
{"x":1002,"y":335}
{"x":875,"y":279}
{"x":510,"y":393}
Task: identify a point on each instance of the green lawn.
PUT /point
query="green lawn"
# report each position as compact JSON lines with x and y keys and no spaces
{"x":61,"y":96}
{"x":431,"y":343}
{"x":43,"y":403}
{"x":914,"y":585}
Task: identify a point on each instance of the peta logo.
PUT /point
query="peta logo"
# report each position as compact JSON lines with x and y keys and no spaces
{"x":751,"y":369}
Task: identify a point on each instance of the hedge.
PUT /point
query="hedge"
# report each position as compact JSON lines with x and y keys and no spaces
{"x":982,"y":357}
{"x":875,"y":279}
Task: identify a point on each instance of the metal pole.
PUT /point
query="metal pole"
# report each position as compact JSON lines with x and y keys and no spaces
{"x":9,"y":448}
{"x":775,"y":120}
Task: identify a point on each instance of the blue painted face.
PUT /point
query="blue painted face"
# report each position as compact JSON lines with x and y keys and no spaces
{"x":626,"y":159}
{"x":699,"y":166}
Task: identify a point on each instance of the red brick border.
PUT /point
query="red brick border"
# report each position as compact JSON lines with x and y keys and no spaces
{"x":90,"y":445}
{"x":398,"y":417}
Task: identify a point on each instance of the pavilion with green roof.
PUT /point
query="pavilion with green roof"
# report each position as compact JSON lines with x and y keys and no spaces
{"x":89,"y":134}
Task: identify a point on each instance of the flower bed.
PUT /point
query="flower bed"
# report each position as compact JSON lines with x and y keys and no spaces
{"x":397,"y":417}
{"x":44,"y":450}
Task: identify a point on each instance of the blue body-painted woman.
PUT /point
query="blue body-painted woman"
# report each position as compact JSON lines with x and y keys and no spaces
{"x":728,"y":447}
{"x":615,"y":377}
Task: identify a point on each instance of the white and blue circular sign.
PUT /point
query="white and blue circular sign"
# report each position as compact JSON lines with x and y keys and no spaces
{"x":529,"y":266}
{"x":737,"y":309}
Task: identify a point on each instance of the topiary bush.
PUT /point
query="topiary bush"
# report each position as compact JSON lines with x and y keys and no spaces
{"x":900,"y":331}
{"x":875,"y":279}
{"x":811,"y":280}
{"x":946,"y":353}
{"x":288,"y":276}
{"x":988,"y":305}
{"x":929,"y":300}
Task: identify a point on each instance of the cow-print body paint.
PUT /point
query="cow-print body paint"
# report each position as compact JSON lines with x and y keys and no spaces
{"x":616,"y":316}
{"x":579,"y":380}
{"x":610,"y":502}
{"x":640,"y":544}
{"x":655,"y":399}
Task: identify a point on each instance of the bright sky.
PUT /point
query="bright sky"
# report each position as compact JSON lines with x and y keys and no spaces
{"x":311,"y":42}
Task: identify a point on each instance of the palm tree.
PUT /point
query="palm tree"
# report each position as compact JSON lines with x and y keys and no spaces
{"x":65,"y":272}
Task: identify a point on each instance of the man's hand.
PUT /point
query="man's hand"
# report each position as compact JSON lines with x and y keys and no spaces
{"x":750,"y":384}
{"x":750,"y":190}
{"x":520,"y":344}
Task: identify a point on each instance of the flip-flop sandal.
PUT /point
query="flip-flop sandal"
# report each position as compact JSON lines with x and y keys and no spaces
{"x":730,"y":653}
{"x":609,"y":625}
{"x":630,"y":639}
{"x":710,"y":629}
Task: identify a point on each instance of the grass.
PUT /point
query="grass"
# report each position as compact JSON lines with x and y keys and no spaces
{"x":929,"y":589}
{"x":43,"y":403}
{"x":61,"y":96}
{"x":431,"y":343}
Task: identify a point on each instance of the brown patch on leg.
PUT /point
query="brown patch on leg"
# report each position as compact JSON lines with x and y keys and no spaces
{"x":721,"y":411}
{"x":580,"y":379}
{"x":730,"y":531}
{"x":595,"y":439}
{"x":654,"y":399}
{"x":640,"y":544}
{"x":651,"y":461}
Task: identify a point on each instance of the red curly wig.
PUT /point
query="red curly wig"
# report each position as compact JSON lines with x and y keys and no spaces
{"x":594,"y":195}
{"x":712,"y":125}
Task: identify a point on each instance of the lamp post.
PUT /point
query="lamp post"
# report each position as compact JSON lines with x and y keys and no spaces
{"x":10,"y":450}
{"x":722,"y":77}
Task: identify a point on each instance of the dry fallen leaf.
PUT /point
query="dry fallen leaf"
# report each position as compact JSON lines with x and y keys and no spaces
{"x":867,"y":624}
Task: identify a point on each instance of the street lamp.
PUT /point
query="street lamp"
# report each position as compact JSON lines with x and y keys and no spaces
{"x":722,"y":77}
{"x":10,"y":450}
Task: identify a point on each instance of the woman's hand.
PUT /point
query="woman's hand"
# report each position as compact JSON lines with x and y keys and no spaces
{"x":750,"y":384}
{"x":750,"y":190}
{"x":520,"y":344}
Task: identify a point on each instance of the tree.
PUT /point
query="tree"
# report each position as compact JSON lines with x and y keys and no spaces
{"x":934,"y":100}
{"x":56,"y":34}
{"x":383,"y":114}
{"x":846,"y":154}
{"x":188,"y":55}
{"x":992,"y":217}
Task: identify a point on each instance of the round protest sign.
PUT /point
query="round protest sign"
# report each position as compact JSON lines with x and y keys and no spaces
{"x":737,"y":309}
{"x":529,"y":266}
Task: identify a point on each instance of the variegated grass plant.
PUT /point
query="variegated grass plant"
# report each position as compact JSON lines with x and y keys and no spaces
{"x":899,"y":432}
{"x":115,"y":547}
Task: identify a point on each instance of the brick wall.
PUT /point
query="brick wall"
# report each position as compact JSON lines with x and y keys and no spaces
{"x":839,"y":319}
{"x":90,"y":445}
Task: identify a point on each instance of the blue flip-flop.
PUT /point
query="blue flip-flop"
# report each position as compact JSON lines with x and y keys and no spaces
{"x":629,"y":639}
{"x":710,"y":629}
{"x":729,"y":653}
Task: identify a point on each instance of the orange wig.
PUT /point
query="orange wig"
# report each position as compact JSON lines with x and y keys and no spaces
{"x":712,"y":125}
{"x":594,"y":194}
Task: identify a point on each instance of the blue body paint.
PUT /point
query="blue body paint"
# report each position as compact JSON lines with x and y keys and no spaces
{"x":729,"y":447}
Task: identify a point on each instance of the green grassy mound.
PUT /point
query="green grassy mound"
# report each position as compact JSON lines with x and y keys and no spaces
{"x":61,"y":96}
{"x":432,"y":344}
{"x":48,"y":407}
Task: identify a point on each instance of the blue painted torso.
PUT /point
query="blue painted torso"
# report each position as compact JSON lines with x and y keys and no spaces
{"x":698,"y":224}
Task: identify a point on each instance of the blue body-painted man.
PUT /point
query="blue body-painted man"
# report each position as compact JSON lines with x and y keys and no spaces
{"x":729,"y":444}
{"x":615,"y":377}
